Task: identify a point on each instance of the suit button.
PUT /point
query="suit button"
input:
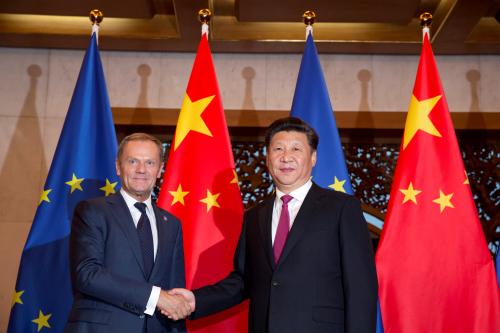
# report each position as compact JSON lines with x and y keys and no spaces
{"x":141,"y":316}
{"x":275,"y":284}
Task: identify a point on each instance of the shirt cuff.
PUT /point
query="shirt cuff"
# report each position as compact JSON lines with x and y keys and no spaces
{"x":152,"y":301}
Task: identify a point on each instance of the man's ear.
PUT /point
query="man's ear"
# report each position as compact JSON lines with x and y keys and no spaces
{"x":117,"y":165}
{"x":314,"y":157}
{"x":159,"y":171}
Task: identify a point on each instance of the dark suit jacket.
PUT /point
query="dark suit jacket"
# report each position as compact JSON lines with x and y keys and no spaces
{"x":325,"y":280}
{"x":110,"y":287}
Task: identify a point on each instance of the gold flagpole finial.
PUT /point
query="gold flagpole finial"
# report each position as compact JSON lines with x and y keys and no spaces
{"x":425,"y":23}
{"x":309,"y":17}
{"x":96,"y":16}
{"x":204,"y":15}
{"x":425,"y":20}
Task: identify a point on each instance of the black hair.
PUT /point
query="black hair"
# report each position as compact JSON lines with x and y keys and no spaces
{"x":292,"y":124}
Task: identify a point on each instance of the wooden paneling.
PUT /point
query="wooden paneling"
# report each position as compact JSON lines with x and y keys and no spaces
{"x":357,"y":26}
{"x":345,"y":119}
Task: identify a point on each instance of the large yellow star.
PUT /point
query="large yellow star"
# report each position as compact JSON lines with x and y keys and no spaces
{"x":44,"y":196}
{"x":338,"y":185}
{"x":16,"y":297}
{"x":75,"y":183}
{"x":42,"y":320}
{"x":410,"y":193}
{"x":444,"y":200}
{"x":211,"y":200}
{"x":109,"y":188}
{"x":190,"y":119}
{"x":178,"y":195}
{"x":418,"y":118}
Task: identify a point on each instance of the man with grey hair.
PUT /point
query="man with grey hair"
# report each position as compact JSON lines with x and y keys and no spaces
{"x":125,"y":252}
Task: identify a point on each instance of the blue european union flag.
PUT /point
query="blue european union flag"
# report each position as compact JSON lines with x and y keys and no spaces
{"x":380,"y":326}
{"x":82,"y":167}
{"x":311,"y":103}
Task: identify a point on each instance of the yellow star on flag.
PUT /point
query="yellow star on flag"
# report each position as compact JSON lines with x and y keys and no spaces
{"x":211,"y":200}
{"x":75,"y":183}
{"x":42,"y":320}
{"x":338,"y":185}
{"x":178,"y":195}
{"x":44,"y":196}
{"x":190,"y":119}
{"x":235,"y":178}
{"x":16,"y":297}
{"x":109,"y":188}
{"x":466,"y":181}
{"x":410,"y":193}
{"x":444,"y":200}
{"x":418,"y":118}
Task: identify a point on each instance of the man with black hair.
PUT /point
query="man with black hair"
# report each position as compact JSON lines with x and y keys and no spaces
{"x":304,"y":257}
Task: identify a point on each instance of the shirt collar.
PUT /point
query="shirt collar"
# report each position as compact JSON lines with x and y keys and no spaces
{"x":297,"y":194}
{"x":130,"y":201}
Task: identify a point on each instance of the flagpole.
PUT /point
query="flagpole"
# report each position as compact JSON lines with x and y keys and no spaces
{"x":425,"y":23}
{"x":96,"y":18}
{"x":309,"y":17}
{"x":204,"y":16}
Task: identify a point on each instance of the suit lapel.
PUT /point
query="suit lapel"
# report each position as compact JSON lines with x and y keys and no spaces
{"x":265,"y":215}
{"x":302,"y":221}
{"x":126,"y":223}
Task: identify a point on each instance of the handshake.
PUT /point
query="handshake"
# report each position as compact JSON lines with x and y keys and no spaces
{"x":176,"y":303}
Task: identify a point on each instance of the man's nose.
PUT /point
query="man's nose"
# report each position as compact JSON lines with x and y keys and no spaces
{"x":286,"y":156}
{"x":141,"y":167}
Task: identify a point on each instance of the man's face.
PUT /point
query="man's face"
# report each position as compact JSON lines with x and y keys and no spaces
{"x":290,"y":160}
{"x":138,"y":168}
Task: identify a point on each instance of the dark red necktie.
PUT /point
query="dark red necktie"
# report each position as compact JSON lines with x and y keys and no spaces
{"x":145,"y":238}
{"x":283,"y":228}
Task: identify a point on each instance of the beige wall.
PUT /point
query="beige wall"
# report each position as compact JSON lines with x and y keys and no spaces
{"x":36,"y":87}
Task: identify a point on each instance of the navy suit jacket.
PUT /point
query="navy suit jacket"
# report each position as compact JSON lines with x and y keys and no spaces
{"x":325,"y":280}
{"x":110,"y":286}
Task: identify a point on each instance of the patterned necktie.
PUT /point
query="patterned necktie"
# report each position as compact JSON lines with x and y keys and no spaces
{"x":283,"y":228}
{"x":145,"y":238}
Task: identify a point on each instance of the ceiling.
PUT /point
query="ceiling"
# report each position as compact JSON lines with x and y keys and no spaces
{"x":262,"y":26}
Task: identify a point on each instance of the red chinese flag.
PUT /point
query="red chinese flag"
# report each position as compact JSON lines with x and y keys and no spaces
{"x":434,"y":269}
{"x":200,"y":187}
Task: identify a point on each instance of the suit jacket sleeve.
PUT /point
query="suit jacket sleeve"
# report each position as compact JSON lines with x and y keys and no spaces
{"x":177,"y":277}
{"x":177,"y":273}
{"x":358,"y":270}
{"x":227,"y":292}
{"x":90,"y":276}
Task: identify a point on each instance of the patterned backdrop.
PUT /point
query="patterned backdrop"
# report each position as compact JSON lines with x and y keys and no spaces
{"x":371,"y":157}
{"x":371,"y":164}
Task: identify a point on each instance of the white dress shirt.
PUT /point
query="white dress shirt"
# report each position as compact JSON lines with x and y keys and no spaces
{"x":293,"y":206}
{"x":136,"y":215}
